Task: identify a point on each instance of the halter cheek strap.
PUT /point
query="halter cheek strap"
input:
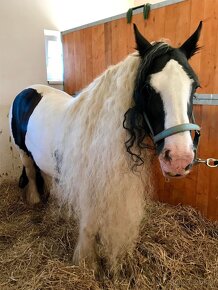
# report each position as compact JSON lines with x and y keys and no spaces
{"x":174,"y":130}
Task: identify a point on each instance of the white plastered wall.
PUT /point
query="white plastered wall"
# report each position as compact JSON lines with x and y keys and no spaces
{"x":68,"y":14}
{"x":141,"y":2}
{"x":22,"y":63}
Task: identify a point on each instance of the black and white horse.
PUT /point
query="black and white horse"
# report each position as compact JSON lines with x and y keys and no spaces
{"x":94,"y":146}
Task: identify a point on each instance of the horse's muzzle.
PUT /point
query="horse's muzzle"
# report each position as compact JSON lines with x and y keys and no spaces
{"x":176,"y":165}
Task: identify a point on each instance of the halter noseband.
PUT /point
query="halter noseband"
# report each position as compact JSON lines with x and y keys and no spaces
{"x":174,"y":130}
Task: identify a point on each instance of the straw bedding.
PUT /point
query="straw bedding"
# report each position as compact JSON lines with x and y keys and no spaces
{"x":177,"y":249}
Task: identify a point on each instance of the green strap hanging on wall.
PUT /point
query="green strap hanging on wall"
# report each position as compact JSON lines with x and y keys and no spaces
{"x":129,"y":15}
{"x":146,"y":11}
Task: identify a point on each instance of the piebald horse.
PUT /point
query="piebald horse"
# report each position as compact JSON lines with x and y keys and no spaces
{"x":95,"y":146}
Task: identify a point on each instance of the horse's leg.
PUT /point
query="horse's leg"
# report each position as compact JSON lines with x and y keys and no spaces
{"x":86,"y":246}
{"x":23,"y":181}
{"x":46,"y":184}
{"x":29,"y":171}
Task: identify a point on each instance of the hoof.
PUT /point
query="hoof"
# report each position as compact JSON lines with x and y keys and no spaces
{"x":76,"y":256}
{"x":90,"y":260}
{"x":32,"y":198}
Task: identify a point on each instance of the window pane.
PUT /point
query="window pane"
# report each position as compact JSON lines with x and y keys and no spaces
{"x":54,"y":56}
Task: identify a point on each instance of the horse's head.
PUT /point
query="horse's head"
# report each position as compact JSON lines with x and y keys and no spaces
{"x":163,"y":94}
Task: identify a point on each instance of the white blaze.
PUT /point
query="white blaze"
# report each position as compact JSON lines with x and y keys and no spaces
{"x":174,"y":86}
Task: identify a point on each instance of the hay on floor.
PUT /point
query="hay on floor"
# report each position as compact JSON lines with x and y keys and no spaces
{"x":177,"y":249}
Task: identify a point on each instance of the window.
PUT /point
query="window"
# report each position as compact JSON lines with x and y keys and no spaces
{"x":54,"y":56}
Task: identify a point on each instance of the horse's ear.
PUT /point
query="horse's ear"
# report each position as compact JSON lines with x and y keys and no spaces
{"x":142,"y":45}
{"x":190,"y":46}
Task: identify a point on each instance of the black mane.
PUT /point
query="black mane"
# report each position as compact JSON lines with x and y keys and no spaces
{"x":133,"y":119}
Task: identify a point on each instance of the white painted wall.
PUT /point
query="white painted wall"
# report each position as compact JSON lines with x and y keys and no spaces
{"x":68,"y":14}
{"x":141,"y":2}
{"x":22,"y":63}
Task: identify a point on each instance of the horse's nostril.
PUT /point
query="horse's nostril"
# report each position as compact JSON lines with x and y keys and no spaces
{"x":167,"y":155}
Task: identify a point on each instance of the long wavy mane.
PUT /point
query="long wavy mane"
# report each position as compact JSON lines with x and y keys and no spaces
{"x":95,"y":169}
{"x":94,"y":120}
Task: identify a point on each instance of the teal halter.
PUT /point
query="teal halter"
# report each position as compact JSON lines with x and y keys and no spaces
{"x":174,"y":130}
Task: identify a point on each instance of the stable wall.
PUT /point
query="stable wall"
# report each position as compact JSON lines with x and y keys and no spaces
{"x":22,"y":63}
{"x":89,"y":51}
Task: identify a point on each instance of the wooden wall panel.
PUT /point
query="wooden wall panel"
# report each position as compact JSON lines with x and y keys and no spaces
{"x":119,"y":40}
{"x":195,"y":18}
{"x":209,"y":40}
{"x":98,"y":50}
{"x":108,"y":44}
{"x":88,"y":52}
{"x":88,"y":74}
{"x":170,"y":31}
{"x":69,"y":55}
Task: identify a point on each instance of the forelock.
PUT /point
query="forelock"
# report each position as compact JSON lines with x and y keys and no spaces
{"x":158,"y":49}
